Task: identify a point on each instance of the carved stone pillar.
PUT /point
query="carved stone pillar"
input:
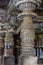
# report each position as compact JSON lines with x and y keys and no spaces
{"x":27,"y":40}
{"x":8,"y":58}
{"x":27,"y":31}
{"x":9,"y":44}
{"x":27,"y":36}
{"x":1,"y":45}
{"x":1,"y":48}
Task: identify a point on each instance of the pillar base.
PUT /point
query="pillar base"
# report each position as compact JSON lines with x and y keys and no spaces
{"x":27,"y":60}
{"x":8,"y":60}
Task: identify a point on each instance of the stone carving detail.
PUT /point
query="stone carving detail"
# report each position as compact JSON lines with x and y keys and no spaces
{"x":4,"y":3}
{"x":1,"y":45}
{"x":9,"y":44}
{"x":8,"y":24}
{"x":27,"y":29}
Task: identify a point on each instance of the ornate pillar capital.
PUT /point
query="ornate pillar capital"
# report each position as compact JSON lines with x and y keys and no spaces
{"x":30,"y":4}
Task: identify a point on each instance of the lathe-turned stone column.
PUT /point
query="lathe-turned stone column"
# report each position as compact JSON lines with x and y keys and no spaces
{"x":8,"y":58}
{"x":9,"y":44}
{"x":27,"y":36}
{"x":1,"y":45}
{"x":27,"y":40}
{"x":1,"y":48}
{"x":27,"y":56}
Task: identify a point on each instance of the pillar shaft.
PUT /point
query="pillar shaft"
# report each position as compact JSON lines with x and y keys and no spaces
{"x":1,"y":45}
{"x":8,"y":50}
{"x":27,"y":36}
{"x":9,"y":44}
{"x":27,"y":41}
